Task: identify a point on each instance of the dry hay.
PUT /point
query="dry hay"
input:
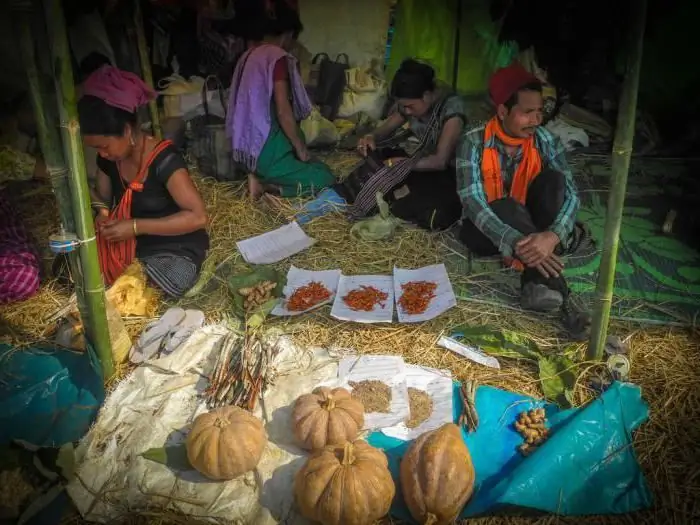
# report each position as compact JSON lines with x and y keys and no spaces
{"x":664,"y":363}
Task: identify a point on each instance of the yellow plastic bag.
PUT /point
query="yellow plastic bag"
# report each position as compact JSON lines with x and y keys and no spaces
{"x":318,"y":130}
{"x":365,"y":92}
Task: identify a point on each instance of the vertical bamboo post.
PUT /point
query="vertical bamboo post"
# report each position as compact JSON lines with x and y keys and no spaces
{"x":96,"y":325}
{"x":47,"y":132}
{"x":622,"y":152}
{"x":146,"y":72}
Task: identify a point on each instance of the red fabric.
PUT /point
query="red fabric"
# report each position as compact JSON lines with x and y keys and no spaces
{"x":19,"y":260}
{"x":115,"y":257}
{"x":281,"y":71}
{"x":505,"y":82}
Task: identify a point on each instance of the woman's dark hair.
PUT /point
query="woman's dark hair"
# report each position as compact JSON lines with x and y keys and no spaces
{"x":99,"y":118}
{"x":285,"y":19}
{"x":413,"y":79}
{"x":513,"y":100}
{"x":92,"y":63}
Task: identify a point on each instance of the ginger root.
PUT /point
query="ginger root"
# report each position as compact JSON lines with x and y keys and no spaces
{"x":256,"y":296}
{"x":532,"y":426}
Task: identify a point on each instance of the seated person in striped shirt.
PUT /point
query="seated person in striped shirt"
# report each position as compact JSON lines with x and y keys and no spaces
{"x":518,"y":194}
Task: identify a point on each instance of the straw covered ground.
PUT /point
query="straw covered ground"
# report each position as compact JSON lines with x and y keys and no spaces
{"x":664,"y":362}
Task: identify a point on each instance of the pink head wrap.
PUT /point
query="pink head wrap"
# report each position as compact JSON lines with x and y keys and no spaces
{"x":118,"y":88}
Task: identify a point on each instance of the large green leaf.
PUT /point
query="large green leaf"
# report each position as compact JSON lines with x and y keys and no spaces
{"x":260,"y":274}
{"x":500,"y":343}
{"x":557,"y":373}
{"x":558,"y":378}
{"x":174,"y":457}
{"x":690,"y":273}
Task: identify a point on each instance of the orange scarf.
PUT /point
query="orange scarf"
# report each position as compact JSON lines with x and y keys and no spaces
{"x":115,"y":257}
{"x":529,"y":167}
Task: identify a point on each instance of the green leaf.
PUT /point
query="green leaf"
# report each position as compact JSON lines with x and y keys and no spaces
{"x":558,"y":378}
{"x":501,"y":343}
{"x":669,"y":248}
{"x":174,"y":456}
{"x":690,"y":273}
{"x":257,"y":318}
{"x":260,"y":274}
{"x":624,"y":268}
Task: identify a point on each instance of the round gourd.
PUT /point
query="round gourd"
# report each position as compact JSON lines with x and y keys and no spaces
{"x":226,"y":443}
{"x":346,"y":484}
{"x":437,"y":476}
{"x":327,"y":417}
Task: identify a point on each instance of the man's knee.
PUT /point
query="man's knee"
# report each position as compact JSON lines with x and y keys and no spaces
{"x":514,"y":214}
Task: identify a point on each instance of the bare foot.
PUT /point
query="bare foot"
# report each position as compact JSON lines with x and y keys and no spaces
{"x":255,"y":188}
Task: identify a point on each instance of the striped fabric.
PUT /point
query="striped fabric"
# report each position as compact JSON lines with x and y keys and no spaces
{"x":174,"y":274}
{"x":115,"y":257}
{"x":388,"y":177}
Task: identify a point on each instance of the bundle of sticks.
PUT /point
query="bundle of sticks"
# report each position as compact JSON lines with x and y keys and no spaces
{"x":241,"y":372}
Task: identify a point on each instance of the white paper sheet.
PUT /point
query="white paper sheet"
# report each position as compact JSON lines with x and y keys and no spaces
{"x":298,"y":277}
{"x":444,"y":294}
{"x":387,"y":369}
{"x":275,"y":245}
{"x":470,"y":352}
{"x":380,"y":314}
{"x":438,"y":385}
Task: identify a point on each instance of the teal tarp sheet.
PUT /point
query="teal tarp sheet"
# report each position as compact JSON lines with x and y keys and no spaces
{"x":586,"y":467}
{"x":48,"y":396}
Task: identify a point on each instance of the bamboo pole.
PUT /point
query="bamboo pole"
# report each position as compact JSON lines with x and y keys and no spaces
{"x":622,"y":152}
{"x":47,"y":132}
{"x":96,"y":326}
{"x":146,"y":72}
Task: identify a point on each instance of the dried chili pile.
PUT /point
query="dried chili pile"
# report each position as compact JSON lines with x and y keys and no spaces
{"x":416,"y":296}
{"x":365,"y":298}
{"x":307,"y":296}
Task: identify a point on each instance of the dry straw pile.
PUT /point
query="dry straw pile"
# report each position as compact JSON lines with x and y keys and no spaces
{"x":665,"y":362}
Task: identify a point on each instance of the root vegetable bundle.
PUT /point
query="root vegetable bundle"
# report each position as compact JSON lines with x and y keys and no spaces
{"x":532,"y":426}
{"x":416,"y":296}
{"x":258,"y":295}
{"x":365,"y":298}
{"x":241,"y":372}
{"x":307,"y":296}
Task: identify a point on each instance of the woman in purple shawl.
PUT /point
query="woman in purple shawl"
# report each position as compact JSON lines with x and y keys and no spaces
{"x":267,"y":102}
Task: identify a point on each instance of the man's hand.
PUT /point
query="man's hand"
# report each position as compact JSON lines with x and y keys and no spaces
{"x":550,"y":267}
{"x":535,"y":248}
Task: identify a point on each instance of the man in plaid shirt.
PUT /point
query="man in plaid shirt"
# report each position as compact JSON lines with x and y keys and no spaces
{"x":19,"y":260}
{"x":518,"y":194}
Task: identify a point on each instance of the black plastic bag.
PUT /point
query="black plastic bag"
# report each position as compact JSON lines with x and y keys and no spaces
{"x":328,"y":94}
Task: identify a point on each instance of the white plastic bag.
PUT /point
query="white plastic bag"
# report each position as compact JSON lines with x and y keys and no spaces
{"x":365,"y":92}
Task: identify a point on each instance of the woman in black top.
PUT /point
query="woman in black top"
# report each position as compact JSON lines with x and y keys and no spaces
{"x":149,"y":198}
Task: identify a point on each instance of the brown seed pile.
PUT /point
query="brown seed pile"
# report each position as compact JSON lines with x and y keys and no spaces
{"x":374,"y":395}
{"x":421,"y":405}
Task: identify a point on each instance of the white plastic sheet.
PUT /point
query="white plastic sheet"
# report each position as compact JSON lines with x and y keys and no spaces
{"x":155,"y":405}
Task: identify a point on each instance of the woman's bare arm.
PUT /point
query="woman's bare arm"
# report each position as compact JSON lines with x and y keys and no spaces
{"x":391,"y":124}
{"x":285,"y":114}
{"x":446,"y":146}
{"x":192,"y":215}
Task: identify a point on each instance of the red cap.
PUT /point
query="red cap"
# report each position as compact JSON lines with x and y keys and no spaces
{"x":505,"y":82}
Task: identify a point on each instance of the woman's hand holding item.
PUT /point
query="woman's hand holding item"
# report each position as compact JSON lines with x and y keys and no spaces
{"x":120,"y":230}
{"x":366,"y":144}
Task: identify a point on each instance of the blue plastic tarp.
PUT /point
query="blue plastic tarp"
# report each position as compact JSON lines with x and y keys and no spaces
{"x":49,"y":396}
{"x":586,"y":467}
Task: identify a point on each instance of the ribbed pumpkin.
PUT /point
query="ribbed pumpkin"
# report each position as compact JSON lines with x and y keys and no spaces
{"x":226,"y":443}
{"x":326,"y":417}
{"x":346,"y":484}
{"x":437,"y":476}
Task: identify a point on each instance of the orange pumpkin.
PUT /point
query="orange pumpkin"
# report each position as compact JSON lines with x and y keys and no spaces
{"x":326,"y":417}
{"x":437,"y":476}
{"x":346,"y":484}
{"x":226,"y":443}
